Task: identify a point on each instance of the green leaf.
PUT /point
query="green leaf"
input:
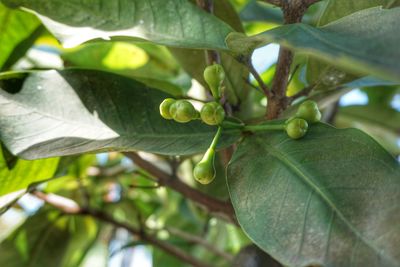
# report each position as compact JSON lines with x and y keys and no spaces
{"x":45,"y":241}
{"x":167,"y":22}
{"x":15,"y":27}
{"x":331,"y":198}
{"x":381,"y":95}
{"x":150,"y":64}
{"x":258,"y":11}
{"x":379,"y":121}
{"x":24,"y":173}
{"x":59,"y":113}
{"x":334,"y":10}
{"x":364,"y":42}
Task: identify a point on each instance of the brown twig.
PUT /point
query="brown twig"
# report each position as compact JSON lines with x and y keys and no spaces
{"x":164,"y":179}
{"x":331,"y":112}
{"x":200,"y":241}
{"x":144,"y":186}
{"x":259,"y":80}
{"x":311,"y":2}
{"x":65,"y":206}
{"x":305,"y":92}
{"x":281,"y":3}
{"x":293,"y":12}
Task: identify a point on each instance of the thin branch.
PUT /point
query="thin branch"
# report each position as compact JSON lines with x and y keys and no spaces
{"x":305,"y":92}
{"x":311,"y":2}
{"x":277,"y":103}
{"x":60,"y":203}
{"x":331,"y":112}
{"x":65,"y":205}
{"x":144,"y":186}
{"x":292,"y":75}
{"x":293,"y":12}
{"x":259,"y":80}
{"x":200,"y":241}
{"x":281,"y":3}
{"x":165,"y":179}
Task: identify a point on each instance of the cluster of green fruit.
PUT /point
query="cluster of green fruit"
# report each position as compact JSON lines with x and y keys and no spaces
{"x":212,"y":113}
{"x":183,"y":111}
{"x":307,"y":113}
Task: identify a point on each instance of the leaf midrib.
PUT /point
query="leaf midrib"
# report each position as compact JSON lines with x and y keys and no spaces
{"x":299,"y":173}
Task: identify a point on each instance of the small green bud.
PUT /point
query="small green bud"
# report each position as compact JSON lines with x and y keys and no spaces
{"x":296,"y":128}
{"x":164,"y":108}
{"x":212,"y":113}
{"x":214,"y":76}
{"x":309,"y":111}
{"x":204,"y":171}
{"x":183,"y":111}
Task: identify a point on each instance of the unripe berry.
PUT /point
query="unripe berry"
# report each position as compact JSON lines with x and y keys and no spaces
{"x":183,"y":111}
{"x":309,"y":111}
{"x":165,"y":106}
{"x":212,"y":113}
{"x":214,"y":75}
{"x":296,"y":128}
{"x":204,"y":171}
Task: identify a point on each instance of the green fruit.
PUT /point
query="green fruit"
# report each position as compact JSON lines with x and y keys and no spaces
{"x":204,"y":171}
{"x":309,"y":111}
{"x":296,"y":128}
{"x":165,"y":106}
{"x":183,"y":111}
{"x":214,"y":75}
{"x":212,"y":113}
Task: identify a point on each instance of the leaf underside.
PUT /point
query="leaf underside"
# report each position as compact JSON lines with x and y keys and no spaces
{"x":59,"y":113}
{"x":365,"y":42}
{"x":167,"y":22}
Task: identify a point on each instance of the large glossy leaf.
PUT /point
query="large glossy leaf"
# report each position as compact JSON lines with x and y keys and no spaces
{"x":364,"y":42}
{"x":334,"y":10}
{"x":24,"y":173}
{"x":167,"y":22}
{"x":330,"y":199}
{"x":16,"y":26}
{"x":76,"y":111}
{"x":257,"y":11}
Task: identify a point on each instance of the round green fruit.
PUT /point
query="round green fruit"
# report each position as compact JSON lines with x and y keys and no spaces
{"x":214,"y":75}
{"x":296,"y":128}
{"x":309,"y":111}
{"x":204,"y":171}
{"x":212,"y":113}
{"x":164,"y":108}
{"x":183,"y":111}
